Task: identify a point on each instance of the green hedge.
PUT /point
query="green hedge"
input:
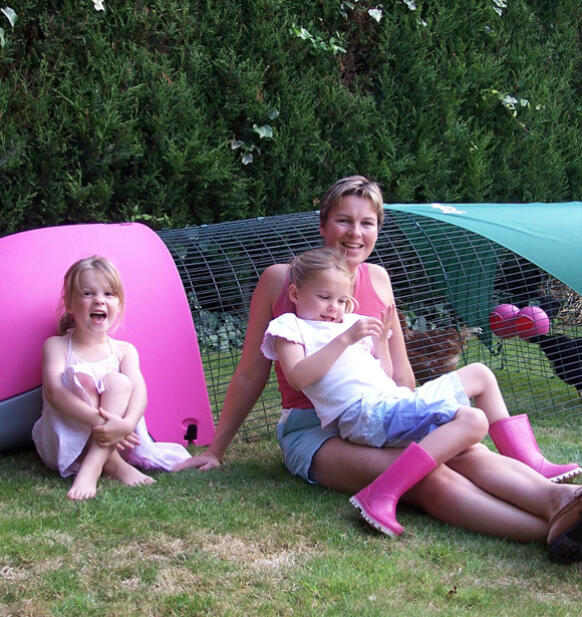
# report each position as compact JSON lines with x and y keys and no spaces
{"x":129,"y":114}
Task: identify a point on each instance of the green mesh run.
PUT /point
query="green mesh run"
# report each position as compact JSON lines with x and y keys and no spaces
{"x":445,"y":278}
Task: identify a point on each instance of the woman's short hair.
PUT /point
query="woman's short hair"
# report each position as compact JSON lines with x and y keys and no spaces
{"x":352,"y":185}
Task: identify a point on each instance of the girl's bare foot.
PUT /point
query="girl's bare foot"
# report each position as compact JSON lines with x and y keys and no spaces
{"x":121,"y":470}
{"x":84,"y":485}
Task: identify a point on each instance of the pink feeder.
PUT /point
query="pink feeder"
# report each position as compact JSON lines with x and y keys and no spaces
{"x":157,"y":321}
{"x":502,"y":320}
{"x":532,"y":321}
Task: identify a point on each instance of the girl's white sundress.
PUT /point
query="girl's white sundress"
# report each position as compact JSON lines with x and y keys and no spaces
{"x":61,"y":439}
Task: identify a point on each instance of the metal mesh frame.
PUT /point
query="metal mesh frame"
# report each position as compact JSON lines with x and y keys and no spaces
{"x":444,"y":278}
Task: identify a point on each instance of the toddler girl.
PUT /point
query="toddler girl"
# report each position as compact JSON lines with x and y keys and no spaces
{"x":94,"y":395}
{"x":341,"y":361}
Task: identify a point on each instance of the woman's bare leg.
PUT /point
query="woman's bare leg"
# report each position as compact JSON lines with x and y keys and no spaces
{"x":444,"y":494}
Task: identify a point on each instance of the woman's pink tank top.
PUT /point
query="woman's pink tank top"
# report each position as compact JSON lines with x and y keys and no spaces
{"x":369,"y":304}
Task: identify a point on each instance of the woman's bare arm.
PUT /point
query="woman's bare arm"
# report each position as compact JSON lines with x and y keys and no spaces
{"x":252,"y":372}
{"x":402,"y":371}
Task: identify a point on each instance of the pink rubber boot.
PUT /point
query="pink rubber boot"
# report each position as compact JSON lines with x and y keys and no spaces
{"x":514,"y":437}
{"x":377,"y":502}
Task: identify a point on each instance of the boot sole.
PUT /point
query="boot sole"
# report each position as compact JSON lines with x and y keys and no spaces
{"x":564,"y":477}
{"x":371,"y":520}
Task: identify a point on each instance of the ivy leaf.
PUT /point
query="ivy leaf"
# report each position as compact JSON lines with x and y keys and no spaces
{"x":375,"y":14}
{"x":10,"y":14}
{"x":273,"y":113}
{"x":247,"y":158}
{"x":235,"y":144}
{"x":264,"y":131}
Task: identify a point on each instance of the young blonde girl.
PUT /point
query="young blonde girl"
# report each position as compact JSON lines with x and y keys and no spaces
{"x":94,"y":395}
{"x":341,"y":362}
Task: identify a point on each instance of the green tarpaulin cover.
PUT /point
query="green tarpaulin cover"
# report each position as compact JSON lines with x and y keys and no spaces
{"x":547,"y":234}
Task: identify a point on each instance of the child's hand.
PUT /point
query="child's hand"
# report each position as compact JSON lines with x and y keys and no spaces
{"x":387,"y":320}
{"x":380,"y":342}
{"x":114,"y":431}
{"x":129,"y":442}
{"x":366,"y":326}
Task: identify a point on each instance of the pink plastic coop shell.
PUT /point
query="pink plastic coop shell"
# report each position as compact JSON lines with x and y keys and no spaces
{"x":157,"y":320}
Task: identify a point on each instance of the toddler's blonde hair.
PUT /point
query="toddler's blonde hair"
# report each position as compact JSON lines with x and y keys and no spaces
{"x":305,"y":266}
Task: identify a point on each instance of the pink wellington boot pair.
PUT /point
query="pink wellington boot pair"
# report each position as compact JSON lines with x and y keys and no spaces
{"x":377,"y":501}
{"x":514,"y":437}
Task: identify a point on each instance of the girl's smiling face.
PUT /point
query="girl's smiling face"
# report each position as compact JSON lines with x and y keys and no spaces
{"x":94,"y":304}
{"x":352,"y":227}
{"x":323,"y":297}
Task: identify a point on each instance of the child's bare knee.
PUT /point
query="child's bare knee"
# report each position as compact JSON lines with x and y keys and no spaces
{"x":118,"y":383}
{"x":475,"y":422}
{"x":486,"y":375}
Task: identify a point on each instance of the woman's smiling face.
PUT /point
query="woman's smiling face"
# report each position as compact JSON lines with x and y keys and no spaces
{"x":352,"y":228}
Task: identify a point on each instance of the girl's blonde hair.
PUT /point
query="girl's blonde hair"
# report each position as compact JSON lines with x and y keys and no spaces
{"x":105,"y":269}
{"x":352,"y":185}
{"x":305,"y":266}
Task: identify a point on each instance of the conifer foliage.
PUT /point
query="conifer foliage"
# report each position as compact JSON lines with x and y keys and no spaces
{"x":177,"y":112}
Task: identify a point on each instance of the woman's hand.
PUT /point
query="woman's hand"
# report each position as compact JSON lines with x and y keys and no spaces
{"x":203,"y":462}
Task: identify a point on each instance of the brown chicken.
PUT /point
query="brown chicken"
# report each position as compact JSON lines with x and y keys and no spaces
{"x":434,"y":352}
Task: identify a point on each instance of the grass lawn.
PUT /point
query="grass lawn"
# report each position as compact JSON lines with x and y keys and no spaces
{"x":249,"y":540}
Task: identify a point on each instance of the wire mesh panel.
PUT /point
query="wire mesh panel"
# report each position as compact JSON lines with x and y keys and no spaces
{"x":446,"y":281}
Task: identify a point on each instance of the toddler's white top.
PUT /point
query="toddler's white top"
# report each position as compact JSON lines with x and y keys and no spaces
{"x":355,"y":375}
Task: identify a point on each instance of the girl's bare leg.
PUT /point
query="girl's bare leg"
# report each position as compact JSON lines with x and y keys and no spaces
{"x":98,"y":459}
{"x":480,"y":384}
{"x":468,"y":427}
{"x":85,"y":483}
{"x":444,"y":494}
{"x":115,"y":399}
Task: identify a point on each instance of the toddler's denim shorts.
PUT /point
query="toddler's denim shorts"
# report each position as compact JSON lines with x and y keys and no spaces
{"x":398,"y":421}
{"x":300,"y":437}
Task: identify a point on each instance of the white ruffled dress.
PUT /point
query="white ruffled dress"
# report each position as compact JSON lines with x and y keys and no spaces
{"x":60,"y":439}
